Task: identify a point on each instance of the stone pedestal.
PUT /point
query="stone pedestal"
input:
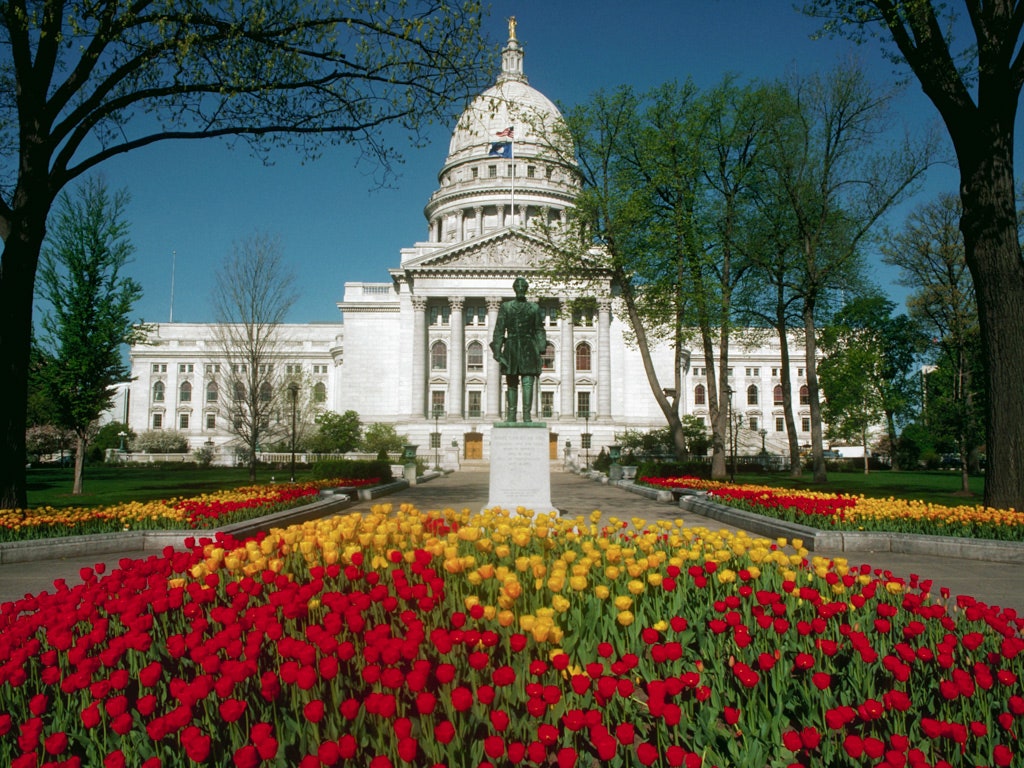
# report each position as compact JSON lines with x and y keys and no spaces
{"x":520,"y":469}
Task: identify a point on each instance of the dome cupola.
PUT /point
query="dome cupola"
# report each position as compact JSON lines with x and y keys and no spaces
{"x":510,"y":161}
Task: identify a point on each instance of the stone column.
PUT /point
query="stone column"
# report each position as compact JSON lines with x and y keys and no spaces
{"x":479,"y":211}
{"x":522,"y":215}
{"x":460,"y":225}
{"x":493,"y":369}
{"x":501,"y":216}
{"x":567,"y":363}
{"x":604,"y":363}
{"x":456,"y":359}
{"x":419,"y":356}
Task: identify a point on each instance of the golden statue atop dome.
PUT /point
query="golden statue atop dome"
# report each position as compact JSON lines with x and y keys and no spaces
{"x":511,"y":27}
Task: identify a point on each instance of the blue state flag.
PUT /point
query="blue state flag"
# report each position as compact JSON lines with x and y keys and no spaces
{"x":501,"y":149}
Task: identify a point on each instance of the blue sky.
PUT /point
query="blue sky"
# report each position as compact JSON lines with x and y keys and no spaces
{"x":192,"y":200}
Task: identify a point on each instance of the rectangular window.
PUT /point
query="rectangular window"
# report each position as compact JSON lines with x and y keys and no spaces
{"x":473,"y":408}
{"x":159,"y":367}
{"x":753,"y":372}
{"x":780,"y":424}
{"x":729,"y":372}
{"x":211,"y":421}
{"x":547,"y":404}
{"x":158,"y":421}
{"x":799,"y":371}
{"x":266,"y":368}
{"x":440,"y":314}
{"x":476,"y":173}
{"x":775,"y":372}
{"x":583,"y":405}
{"x":752,"y":424}
{"x":509,"y":169}
{"x":805,"y":424}
{"x":186,"y":367}
{"x":437,"y":403}
{"x":212,"y":368}
{"x":585,"y":441}
{"x":492,"y":171}
{"x":239,"y":368}
{"x":435,"y":440}
{"x":547,"y":173}
{"x":182,"y":421}
{"x":531,"y":171}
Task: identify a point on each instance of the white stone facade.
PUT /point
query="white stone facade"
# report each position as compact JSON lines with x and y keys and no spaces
{"x":413,"y":350}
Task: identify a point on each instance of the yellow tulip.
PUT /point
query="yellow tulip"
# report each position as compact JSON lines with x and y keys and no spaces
{"x":625,"y":618}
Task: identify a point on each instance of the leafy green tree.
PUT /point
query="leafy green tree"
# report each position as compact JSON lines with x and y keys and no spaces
{"x":929,"y":252}
{"x":974,"y":80}
{"x":88,"y":319}
{"x":868,"y":372}
{"x":665,"y":191}
{"x":82,"y":82}
{"x":826,"y":170}
{"x":336,"y":433}
{"x":379,"y":437}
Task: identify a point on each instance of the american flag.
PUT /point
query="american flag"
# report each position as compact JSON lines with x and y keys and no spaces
{"x":508,"y":133}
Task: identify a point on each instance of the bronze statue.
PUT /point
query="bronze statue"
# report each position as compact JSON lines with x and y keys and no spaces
{"x":517,"y":344}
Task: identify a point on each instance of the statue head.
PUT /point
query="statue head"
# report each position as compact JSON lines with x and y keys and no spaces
{"x":519,"y":285}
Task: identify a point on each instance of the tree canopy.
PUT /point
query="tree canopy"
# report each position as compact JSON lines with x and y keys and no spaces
{"x":89,"y":303}
{"x":969,"y":60}
{"x":84,"y":81}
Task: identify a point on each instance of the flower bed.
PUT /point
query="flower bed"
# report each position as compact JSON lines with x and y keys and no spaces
{"x":401,"y":638}
{"x":197,"y":513}
{"x":858,"y":513}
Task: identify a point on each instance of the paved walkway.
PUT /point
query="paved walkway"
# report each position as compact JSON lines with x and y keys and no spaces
{"x":993,"y":583}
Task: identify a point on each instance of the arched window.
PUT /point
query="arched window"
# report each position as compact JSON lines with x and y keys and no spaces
{"x":438,"y":356}
{"x":266,"y":392}
{"x":319,"y":392}
{"x":158,"y":392}
{"x":185,"y":392}
{"x":805,"y":396}
{"x":777,"y":394}
{"x":698,"y":395}
{"x":239,"y":391}
{"x":211,"y":392}
{"x":583,"y":357}
{"x":547,"y":360}
{"x":752,"y":395}
{"x":475,"y":356}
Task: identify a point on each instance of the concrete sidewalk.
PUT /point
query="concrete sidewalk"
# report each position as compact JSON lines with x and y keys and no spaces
{"x":993,"y":583}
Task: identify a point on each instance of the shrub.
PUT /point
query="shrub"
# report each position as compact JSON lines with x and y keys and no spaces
{"x":349,"y":469}
{"x":160,"y":441}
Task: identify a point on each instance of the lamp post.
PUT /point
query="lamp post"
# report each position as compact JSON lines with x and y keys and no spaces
{"x":122,"y":434}
{"x":438,"y":413}
{"x":764,"y":434}
{"x":293,"y":390}
{"x":586,"y":435}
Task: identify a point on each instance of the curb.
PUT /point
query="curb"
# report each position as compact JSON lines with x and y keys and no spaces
{"x":815,"y":539}
{"x":155,"y":541}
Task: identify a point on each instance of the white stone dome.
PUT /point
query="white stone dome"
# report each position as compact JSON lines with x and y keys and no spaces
{"x":511,"y":103}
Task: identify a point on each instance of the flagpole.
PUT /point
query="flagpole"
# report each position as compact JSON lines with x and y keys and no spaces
{"x":513,"y":146}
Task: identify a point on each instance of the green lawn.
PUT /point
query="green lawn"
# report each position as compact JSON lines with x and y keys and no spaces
{"x":104,"y":485}
{"x":935,"y":487}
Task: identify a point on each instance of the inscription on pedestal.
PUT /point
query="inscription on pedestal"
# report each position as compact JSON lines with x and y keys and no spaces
{"x":520,"y":470}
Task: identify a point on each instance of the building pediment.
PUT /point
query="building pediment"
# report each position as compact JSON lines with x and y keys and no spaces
{"x":500,"y":251}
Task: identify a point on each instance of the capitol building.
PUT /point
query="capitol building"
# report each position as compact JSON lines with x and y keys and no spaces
{"x":412,"y":350}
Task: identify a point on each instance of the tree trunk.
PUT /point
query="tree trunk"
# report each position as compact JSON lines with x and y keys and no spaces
{"x":17,"y":284}
{"x":989,"y":226}
{"x":795,"y":466}
{"x":810,"y":344}
{"x":80,"y":445}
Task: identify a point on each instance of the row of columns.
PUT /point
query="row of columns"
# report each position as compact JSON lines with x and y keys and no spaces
{"x":457,"y":368}
{"x":462,"y":231}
